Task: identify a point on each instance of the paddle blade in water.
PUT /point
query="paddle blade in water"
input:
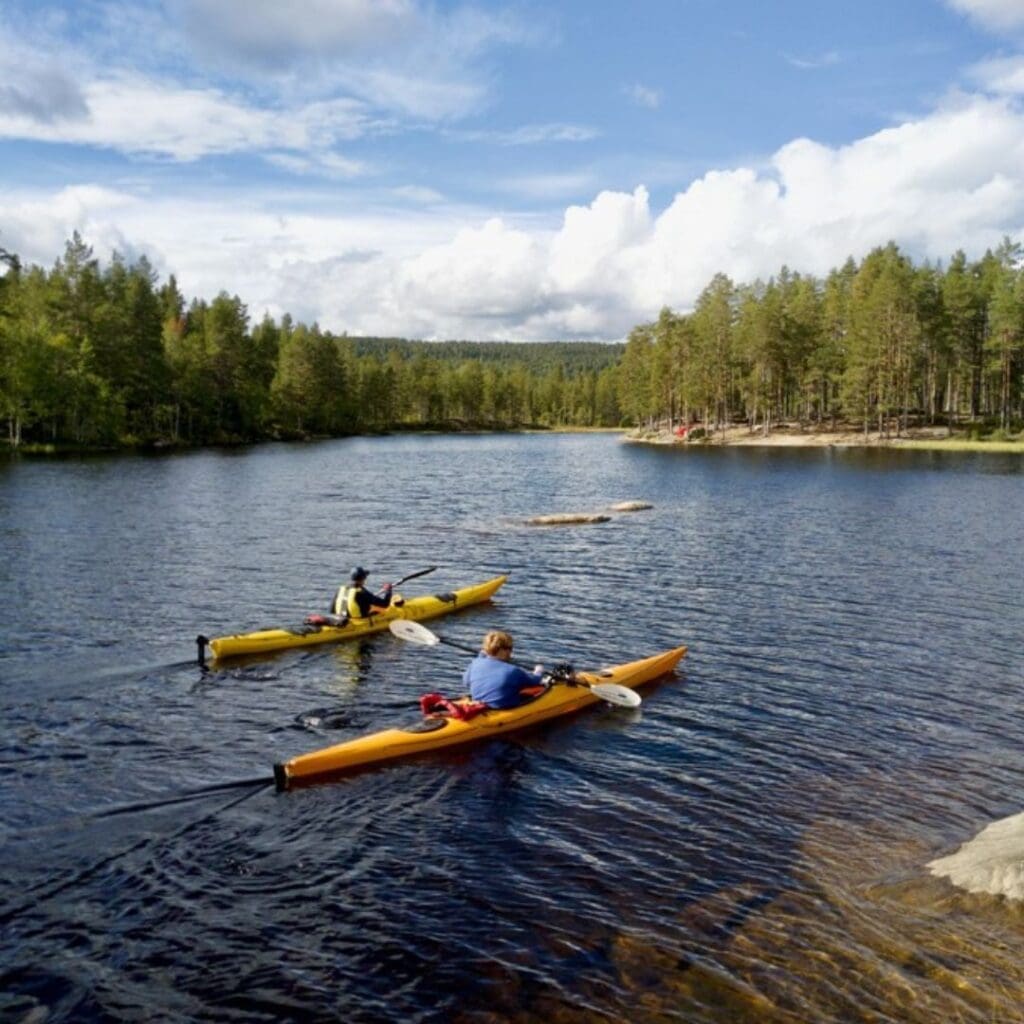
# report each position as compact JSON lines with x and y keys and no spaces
{"x":623,"y":696}
{"x":405,"y":629}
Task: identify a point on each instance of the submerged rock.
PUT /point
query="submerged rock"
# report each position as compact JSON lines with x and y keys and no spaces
{"x":631,"y":506}
{"x":567,"y":518}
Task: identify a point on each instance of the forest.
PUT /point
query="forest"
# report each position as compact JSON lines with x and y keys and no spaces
{"x":105,"y":356}
{"x":98,"y":355}
{"x":877,"y":346}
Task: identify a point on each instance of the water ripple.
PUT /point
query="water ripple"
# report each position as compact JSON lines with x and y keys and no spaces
{"x":749,"y":845}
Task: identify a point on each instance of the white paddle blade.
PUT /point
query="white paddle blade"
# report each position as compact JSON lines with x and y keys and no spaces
{"x":623,"y":696}
{"x":406,"y":629}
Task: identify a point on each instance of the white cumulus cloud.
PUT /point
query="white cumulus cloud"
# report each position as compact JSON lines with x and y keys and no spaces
{"x":1003,"y":75}
{"x":950,"y":180}
{"x":406,"y":56}
{"x":136,"y":115}
{"x":588,"y":253}
{"x":491,"y":271}
{"x":994,"y":14}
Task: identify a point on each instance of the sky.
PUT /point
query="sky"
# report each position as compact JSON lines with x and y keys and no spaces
{"x":529,"y":171}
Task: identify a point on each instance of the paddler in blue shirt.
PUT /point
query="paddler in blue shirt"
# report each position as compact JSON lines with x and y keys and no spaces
{"x":354,"y":600}
{"x":496,"y":683}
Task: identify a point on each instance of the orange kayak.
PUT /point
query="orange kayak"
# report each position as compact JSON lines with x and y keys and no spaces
{"x":438,"y":733}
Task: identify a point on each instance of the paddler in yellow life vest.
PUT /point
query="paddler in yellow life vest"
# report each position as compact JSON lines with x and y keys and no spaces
{"x":355,"y":601}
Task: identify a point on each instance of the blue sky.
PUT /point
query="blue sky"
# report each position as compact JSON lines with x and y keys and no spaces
{"x":527,"y":171}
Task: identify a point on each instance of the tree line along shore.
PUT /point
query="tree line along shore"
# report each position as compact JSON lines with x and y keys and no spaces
{"x":106,"y":356}
{"x":95,"y":356}
{"x":882,"y":349}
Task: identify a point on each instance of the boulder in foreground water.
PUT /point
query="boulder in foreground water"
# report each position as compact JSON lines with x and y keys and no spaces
{"x":992,"y":862}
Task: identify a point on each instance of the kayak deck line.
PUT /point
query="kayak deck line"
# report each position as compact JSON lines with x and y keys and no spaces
{"x":417,"y":609}
{"x":438,"y":733}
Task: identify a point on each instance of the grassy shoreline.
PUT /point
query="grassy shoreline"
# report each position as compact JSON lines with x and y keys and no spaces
{"x":954,"y":444}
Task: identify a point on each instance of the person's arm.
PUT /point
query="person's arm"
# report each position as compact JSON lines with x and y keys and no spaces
{"x":528,"y":678}
{"x":364,"y":601}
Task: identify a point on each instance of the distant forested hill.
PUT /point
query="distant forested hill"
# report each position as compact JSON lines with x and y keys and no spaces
{"x":538,"y":357}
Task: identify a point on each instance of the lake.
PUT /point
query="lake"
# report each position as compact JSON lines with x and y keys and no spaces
{"x":749,"y":845}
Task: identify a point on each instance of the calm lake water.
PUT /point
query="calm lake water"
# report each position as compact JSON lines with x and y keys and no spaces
{"x":749,"y":845}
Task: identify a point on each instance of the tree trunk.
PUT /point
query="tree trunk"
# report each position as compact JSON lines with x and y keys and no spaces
{"x":1005,"y":396}
{"x":930,"y":386}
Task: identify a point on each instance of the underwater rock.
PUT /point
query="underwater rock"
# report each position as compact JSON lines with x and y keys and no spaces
{"x":992,"y":862}
{"x":567,"y":518}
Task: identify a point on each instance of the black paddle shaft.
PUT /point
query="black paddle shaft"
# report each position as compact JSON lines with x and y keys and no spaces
{"x":413,"y":575}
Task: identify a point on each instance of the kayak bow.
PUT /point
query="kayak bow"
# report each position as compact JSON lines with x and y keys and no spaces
{"x":429,"y":606}
{"x":436,"y":733}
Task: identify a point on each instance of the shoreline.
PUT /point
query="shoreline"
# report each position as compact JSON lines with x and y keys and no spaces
{"x":915,"y":439}
{"x":58,"y":449}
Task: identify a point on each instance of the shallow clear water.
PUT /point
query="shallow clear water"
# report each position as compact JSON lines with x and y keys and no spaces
{"x":749,"y":845}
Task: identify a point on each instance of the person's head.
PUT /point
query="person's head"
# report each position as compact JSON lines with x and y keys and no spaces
{"x":498,"y":644}
{"x":358,"y":575}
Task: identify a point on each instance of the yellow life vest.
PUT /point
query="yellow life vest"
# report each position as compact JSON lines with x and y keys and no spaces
{"x":345,"y":602}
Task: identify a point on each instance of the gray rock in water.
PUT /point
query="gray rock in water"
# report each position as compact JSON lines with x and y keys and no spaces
{"x":567,"y":518}
{"x":631,"y":506}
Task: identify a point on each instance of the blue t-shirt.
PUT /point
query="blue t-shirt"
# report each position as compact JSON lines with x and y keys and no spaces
{"x":497,"y":683}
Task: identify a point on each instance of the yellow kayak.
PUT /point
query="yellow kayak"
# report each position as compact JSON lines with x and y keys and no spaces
{"x":438,"y":732}
{"x":417,"y":609}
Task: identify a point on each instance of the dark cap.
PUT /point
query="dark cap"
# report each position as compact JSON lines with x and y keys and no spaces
{"x":358,"y":573}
